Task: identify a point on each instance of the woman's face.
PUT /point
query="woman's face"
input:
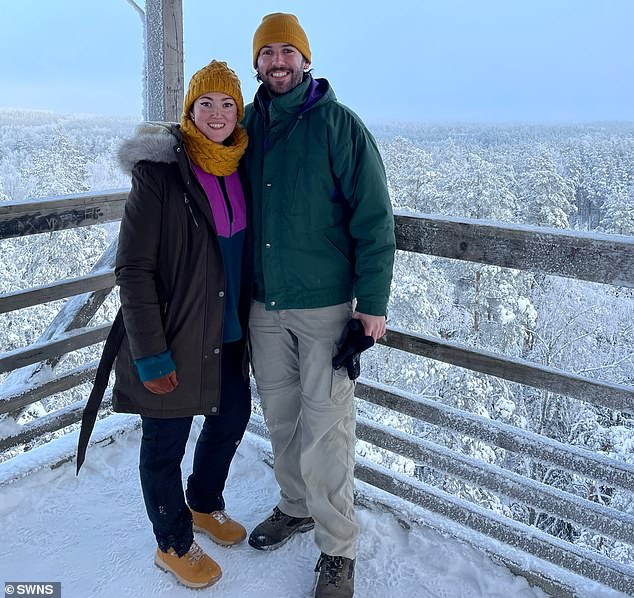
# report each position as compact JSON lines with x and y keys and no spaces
{"x":215,"y":115}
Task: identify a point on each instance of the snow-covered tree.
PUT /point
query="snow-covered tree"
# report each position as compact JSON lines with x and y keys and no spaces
{"x":61,"y":169}
{"x":545,"y":197}
{"x":470,"y":186}
{"x":410,"y":173}
{"x":618,"y":212}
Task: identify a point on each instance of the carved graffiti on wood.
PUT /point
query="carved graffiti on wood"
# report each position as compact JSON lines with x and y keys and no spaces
{"x":30,"y":224}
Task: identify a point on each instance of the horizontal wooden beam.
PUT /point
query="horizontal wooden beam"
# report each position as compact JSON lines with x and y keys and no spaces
{"x":594,"y":257}
{"x":522,"y":442}
{"x":58,"y":290}
{"x":64,"y":343}
{"x":541,"y":497}
{"x":52,"y":422}
{"x":20,"y":218}
{"x":530,"y":540}
{"x":26,"y":395}
{"x":605,"y":394}
{"x":575,"y":254}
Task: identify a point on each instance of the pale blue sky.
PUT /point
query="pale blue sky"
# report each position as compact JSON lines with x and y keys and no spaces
{"x":393,"y":60}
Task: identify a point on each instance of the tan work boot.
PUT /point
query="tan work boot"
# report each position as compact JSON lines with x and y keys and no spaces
{"x":219,"y":527}
{"x":194,"y":569}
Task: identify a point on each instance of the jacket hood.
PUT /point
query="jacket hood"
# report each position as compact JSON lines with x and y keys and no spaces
{"x":151,"y":142}
{"x":318,"y":90}
{"x":308,"y":94}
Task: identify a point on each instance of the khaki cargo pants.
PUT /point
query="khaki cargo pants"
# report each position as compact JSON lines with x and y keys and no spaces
{"x":309,"y":410}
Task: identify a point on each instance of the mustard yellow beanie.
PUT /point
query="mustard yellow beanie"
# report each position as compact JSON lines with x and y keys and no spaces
{"x":218,"y":77}
{"x":280,"y":27}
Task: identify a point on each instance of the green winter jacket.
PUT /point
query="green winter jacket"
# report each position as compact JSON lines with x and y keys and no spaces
{"x":323,"y":222}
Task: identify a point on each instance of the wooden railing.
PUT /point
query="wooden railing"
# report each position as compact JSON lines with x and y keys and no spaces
{"x":583,"y":256}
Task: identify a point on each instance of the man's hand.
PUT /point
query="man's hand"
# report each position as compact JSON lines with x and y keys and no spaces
{"x":162,"y":385}
{"x":374,"y":326}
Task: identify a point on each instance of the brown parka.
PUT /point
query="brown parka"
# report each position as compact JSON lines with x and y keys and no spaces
{"x":171,"y":276}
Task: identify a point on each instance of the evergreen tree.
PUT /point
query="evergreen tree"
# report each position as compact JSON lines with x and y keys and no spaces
{"x":545,"y":197}
{"x":619,"y":212}
{"x":61,"y":169}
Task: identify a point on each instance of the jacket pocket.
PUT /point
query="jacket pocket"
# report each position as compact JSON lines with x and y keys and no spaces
{"x":315,"y":204}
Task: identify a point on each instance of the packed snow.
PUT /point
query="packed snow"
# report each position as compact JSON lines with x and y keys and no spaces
{"x":91,"y":533}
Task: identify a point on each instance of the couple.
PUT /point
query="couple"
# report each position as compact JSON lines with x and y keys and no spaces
{"x":259,"y":225}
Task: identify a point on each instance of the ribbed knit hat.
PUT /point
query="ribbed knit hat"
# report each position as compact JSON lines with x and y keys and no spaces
{"x":218,"y":77}
{"x":280,"y":27}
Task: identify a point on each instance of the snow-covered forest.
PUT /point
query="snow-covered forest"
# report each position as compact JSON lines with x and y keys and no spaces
{"x":575,"y":177}
{"x":566,"y":177}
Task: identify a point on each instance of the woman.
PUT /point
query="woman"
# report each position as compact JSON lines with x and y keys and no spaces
{"x":185,"y":290}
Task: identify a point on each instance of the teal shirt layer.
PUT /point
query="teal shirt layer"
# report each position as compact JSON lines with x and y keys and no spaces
{"x":155,"y":366}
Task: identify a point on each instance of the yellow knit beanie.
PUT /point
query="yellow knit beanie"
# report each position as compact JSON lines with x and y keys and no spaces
{"x":280,"y":27}
{"x":220,"y":159}
{"x":218,"y":77}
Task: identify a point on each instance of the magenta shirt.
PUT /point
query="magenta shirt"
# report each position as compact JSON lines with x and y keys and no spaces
{"x":210,"y":184}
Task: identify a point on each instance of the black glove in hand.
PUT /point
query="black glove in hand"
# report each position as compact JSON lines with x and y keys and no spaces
{"x":353,"y":342}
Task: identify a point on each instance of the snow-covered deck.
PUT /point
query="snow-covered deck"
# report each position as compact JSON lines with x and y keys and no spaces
{"x":91,"y":533}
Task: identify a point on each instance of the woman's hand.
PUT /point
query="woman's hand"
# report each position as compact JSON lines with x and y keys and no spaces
{"x":162,"y":385}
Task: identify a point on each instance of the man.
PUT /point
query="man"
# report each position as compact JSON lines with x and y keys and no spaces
{"x":324,"y":237}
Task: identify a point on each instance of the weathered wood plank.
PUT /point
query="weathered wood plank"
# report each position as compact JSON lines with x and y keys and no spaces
{"x":164,"y":59}
{"x":522,"y":442}
{"x":593,"y":257}
{"x":28,"y":394}
{"x":76,"y":313}
{"x":590,"y":515}
{"x":606,"y":394}
{"x":607,"y":259}
{"x":531,"y":540}
{"x":58,"y":290}
{"x":20,"y":218}
{"x":51,"y":422}
{"x":70,"y":341}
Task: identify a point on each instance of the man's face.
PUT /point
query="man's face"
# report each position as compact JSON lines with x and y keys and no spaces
{"x":281,"y":67}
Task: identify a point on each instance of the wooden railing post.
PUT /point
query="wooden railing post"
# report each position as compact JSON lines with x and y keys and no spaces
{"x":164,"y":59}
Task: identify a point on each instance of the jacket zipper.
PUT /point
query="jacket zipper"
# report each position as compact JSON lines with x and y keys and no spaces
{"x":299,"y":117}
{"x":225,"y":196}
{"x":189,"y":207}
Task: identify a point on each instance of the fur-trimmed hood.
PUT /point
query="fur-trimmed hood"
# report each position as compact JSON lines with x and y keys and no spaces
{"x":152,"y":142}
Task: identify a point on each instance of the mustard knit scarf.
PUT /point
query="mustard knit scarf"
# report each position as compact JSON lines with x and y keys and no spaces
{"x":214,"y":158}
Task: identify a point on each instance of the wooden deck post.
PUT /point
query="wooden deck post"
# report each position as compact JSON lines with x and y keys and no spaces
{"x":164,"y":60}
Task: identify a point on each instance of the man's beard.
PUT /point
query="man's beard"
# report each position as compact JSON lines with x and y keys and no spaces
{"x":296,"y":77}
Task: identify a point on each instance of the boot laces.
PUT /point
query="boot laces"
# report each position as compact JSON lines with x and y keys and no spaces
{"x":276,"y":516}
{"x":195,"y":553}
{"x":333,"y":568}
{"x":220,"y":516}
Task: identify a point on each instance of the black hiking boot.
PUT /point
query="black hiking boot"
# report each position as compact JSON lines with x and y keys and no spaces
{"x":277,"y":529}
{"x":336,"y":577}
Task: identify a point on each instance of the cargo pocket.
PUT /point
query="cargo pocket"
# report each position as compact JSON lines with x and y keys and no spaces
{"x":341,"y":387}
